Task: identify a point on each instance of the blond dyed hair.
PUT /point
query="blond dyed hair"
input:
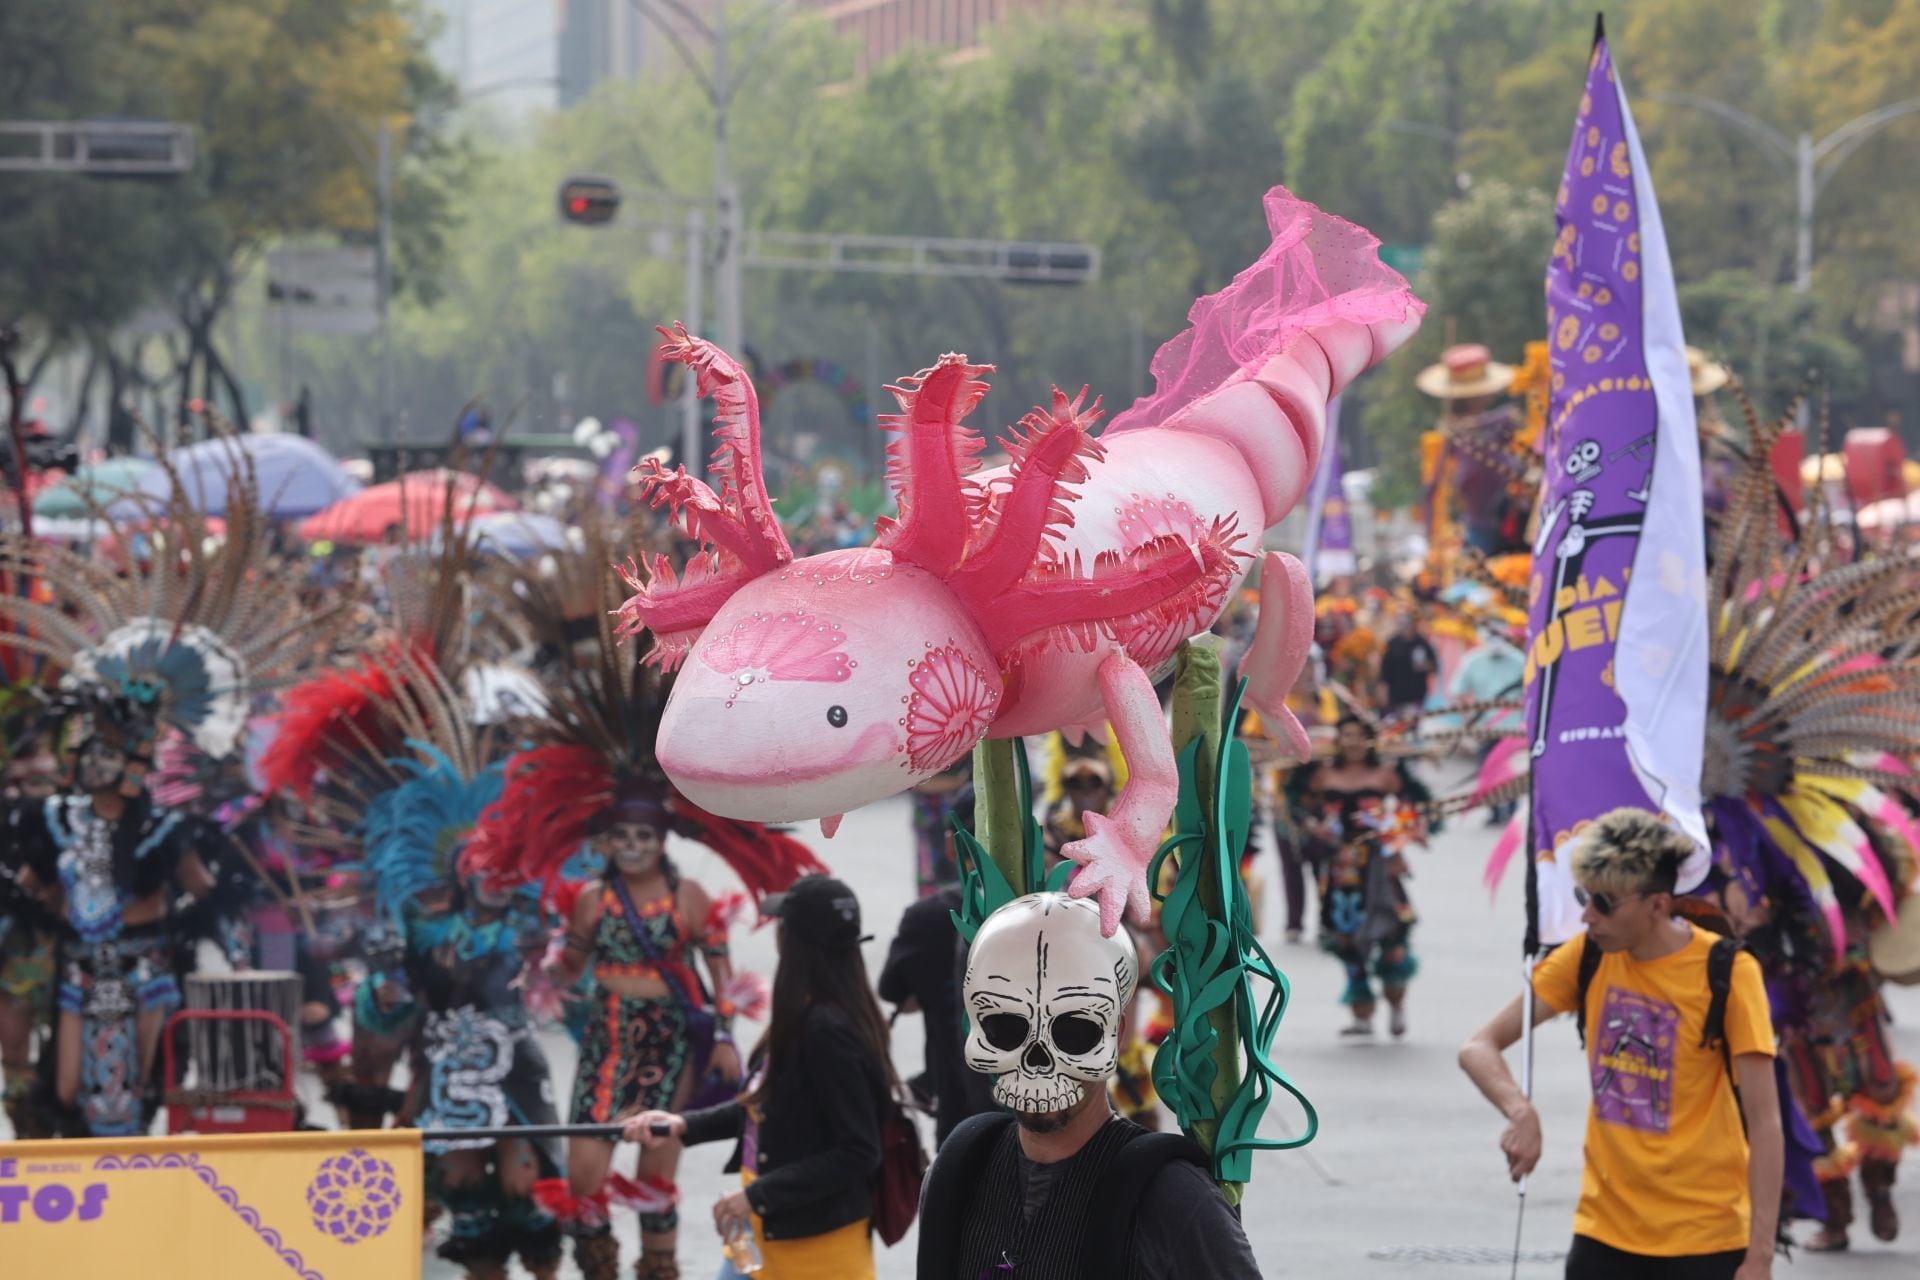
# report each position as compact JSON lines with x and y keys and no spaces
{"x":1630,"y":851}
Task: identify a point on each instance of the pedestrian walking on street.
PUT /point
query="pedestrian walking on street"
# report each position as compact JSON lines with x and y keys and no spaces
{"x":1408,"y":666}
{"x":1683,"y":1146}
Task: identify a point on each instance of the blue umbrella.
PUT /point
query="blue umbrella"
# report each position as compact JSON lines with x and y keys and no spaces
{"x":296,"y":477}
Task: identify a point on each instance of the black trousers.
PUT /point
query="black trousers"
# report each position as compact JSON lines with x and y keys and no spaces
{"x":1295,"y":875}
{"x":1591,"y":1260}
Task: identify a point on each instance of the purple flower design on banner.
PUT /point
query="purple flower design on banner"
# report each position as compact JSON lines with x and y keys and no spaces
{"x":354,"y":1197}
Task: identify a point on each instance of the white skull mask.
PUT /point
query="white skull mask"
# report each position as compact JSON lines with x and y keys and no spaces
{"x":1046,"y":993}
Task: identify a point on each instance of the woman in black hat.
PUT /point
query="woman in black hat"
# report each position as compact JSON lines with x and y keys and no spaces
{"x":807,"y":1128}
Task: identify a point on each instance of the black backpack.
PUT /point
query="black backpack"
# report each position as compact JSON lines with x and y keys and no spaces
{"x":962,"y":1162}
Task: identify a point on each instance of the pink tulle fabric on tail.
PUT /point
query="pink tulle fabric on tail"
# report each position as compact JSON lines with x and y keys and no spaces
{"x":1319,"y":270}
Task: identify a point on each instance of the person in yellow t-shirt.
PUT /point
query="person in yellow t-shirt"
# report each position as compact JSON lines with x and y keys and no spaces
{"x":1672,"y":1189}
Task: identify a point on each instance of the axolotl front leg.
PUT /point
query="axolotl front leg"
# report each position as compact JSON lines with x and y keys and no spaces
{"x":1121,"y":843}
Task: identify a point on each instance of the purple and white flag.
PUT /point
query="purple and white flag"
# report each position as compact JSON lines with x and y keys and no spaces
{"x":1617,"y":633}
{"x":1329,"y":547}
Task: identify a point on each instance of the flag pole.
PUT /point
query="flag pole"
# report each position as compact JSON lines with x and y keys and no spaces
{"x":1529,"y":957}
{"x":1526,"y":1088}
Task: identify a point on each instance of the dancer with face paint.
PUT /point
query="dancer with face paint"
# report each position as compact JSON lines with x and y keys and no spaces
{"x":657,"y":1036}
{"x":105,"y":862}
{"x":639,"y":929}
{"x":447,"y":989}
{"x":1354,"y":814}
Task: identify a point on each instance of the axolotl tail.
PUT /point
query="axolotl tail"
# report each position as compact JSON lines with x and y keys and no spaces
{"x":1276,"y":417}
{"x":1262,"y":357}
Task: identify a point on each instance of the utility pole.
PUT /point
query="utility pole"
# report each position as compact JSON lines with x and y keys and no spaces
{"x":383,"y":194}
{"x":720,"y":81}
{"x":1813,"y":161}
{"x":726,"y":203}
{"x":691,"y":428}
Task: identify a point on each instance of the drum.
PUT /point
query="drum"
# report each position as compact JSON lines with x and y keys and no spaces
{"x":1894,"y":946}
{"x":246,"y":1054}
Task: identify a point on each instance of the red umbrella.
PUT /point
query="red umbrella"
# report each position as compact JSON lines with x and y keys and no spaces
{"x":421,"y":496}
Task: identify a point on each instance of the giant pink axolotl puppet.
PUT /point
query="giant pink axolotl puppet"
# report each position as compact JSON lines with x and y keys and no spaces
{"x":1047,"y":594}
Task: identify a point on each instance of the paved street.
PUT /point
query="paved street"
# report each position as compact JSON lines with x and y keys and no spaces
{"x":1406,"y":1156}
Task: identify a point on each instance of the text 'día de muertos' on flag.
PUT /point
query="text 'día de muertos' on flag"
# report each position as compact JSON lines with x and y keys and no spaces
{"x":1617,"y":652}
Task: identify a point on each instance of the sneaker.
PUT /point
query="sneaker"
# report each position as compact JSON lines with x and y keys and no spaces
{"x":1357,"y":1029}
{"x":1397,"y":1023}
{"x":1293,"y":937}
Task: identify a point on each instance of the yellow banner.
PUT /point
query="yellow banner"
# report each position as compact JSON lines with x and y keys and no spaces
{"x":294,"y":1206}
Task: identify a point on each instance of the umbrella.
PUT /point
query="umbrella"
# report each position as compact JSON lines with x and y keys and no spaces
{"x":296,"y":477}
{"x":67,"y":528}
{"x":515,"y":534}
{"x":95,"y":485}
{"x":370,"y":515}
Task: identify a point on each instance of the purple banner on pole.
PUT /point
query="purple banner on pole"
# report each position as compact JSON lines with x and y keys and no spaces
{"x":1616,"y":658}
{"x":1329,"y":547}
{"x":1336,"y":522}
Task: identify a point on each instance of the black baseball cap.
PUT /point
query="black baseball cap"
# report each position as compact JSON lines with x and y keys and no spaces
{"x":819,"y":910}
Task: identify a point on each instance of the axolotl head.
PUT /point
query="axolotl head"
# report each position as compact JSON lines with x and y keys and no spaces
{"x":824,"y":685}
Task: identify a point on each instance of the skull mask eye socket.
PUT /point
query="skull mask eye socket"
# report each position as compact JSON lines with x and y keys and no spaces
{"x":1076,"y":1035}
{"x":1004,"y":1031}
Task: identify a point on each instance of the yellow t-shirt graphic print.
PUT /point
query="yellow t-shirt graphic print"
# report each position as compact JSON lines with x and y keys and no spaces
{"x":1666,"y":1157}
{"x":1633,"y":1042}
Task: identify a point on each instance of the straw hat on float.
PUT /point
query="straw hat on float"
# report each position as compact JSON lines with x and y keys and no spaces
{"x":1705,"y":373}
{"x":1464,"y":372}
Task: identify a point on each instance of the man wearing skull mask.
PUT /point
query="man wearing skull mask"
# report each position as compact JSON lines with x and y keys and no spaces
{"x":100,"y":864}
{"x":1063,"y":1188}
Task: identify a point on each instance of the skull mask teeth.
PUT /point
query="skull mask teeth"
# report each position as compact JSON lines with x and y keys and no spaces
{"x":1046,"y":994}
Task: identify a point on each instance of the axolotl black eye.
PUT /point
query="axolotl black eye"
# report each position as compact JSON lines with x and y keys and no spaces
{"x":837,"y":717}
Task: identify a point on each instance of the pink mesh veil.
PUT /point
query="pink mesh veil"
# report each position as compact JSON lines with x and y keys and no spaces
{"x":1319,"y":270}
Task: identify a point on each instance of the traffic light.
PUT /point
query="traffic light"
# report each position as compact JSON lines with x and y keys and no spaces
{"x":590,"y":201}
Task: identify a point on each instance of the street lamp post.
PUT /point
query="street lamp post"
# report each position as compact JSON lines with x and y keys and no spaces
{"x":383,"y":251}
{"x":720,"y":82}
{"x":1813,"y":162}
{"x":691,"y":429}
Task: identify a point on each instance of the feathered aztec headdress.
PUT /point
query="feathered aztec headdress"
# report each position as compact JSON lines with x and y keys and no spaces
{"x":336,"y":725}
{"x":413,"y":832}
{"x":188,"y":633}
{"x":591,"y":747}
{"x":1812,"y":732}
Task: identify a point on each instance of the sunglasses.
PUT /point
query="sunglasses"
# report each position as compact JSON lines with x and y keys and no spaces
{"x":1086,"y":782}
{"x":1603,"y":903}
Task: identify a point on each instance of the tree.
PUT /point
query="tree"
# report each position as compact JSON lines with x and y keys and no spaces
{"x":82,"y":254}
{"x":1151,"y":128}
{"x":1779,"y":342}
{"x":1481,"y":283}
{"x":1377,"y":129}
{"x":285,"y":97}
